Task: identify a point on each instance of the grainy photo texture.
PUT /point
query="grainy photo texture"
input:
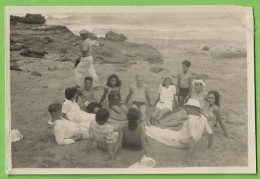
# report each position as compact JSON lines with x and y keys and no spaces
{"x":130,"y":90}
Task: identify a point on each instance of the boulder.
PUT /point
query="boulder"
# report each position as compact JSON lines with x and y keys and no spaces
{"x":114,"y":37}
{"x":33,"y":52}
{"x":16,"y":46}
{"x":28,"y":19}
{"x":156,"y":69}
{"x":35,"y":73}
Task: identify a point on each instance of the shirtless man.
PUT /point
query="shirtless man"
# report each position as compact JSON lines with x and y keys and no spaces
{"x":87,"y":96}
{"x":139,"y":93}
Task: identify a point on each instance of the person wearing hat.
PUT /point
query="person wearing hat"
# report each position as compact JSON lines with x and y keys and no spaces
{"x":85,"y":66}
{"x":190,"y":133}
{"x":197,"y":91}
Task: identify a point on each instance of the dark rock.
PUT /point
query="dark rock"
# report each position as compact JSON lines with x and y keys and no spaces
{"x":206,"y":48}
{"x":33,"y":52}
{"x":35,"y":73}
{"x":114,"y":37}
{"x":156,"y":69}
{"x":52,"y":28}
{"x":28,"y":19}
{"x":47,"y":40}
{"x":16,"y":46}
{"x":14,"y":66}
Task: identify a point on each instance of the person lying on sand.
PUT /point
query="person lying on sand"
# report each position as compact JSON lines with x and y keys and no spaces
{"x":71,"y":109}
{"x":177,"y":118}
{"x":85,"y":65}
{"x":133,"y":131}
{"x":190,"y":133}
{"x":112,"y":90}
{"x":103,"y":134}
{"x":183,"y":88}
{"x":87,"y":96}
{"x":212,"y":111}
{"x":66,"y":132}
{"x":165,"y":100}
{"x":139,"y":93}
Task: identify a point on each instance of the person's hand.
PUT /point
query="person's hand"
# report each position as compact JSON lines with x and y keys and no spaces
{"x":186,"y":99}
{"x":69,"y":141}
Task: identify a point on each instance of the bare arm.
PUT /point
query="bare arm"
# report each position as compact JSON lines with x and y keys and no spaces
{"x":104,"y":95}
{"x":65,"y":116}
{"x":157,"y":100}
{"x":147,"y":96}
{"x":192,"y":146}
{"x":210,"y":142}
{"x":129,"y":95}
{"x":219,"y":119}
{"x":89,"y":144}
{"x":110,"y":148}
{"x":190,"y":90}
{"x":177,"y":86}
{"x":144,"y":143}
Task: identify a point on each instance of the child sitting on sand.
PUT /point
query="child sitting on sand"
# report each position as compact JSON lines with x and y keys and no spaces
{"x":71,"y":109}
{"x":164,"y":103}
{"x":103,"y":134}
{"x":66,"y":132}
{"x":183,"y":88}
{"x":190,"y":133}
{"x":133,"y":131}
{"x":212,"y":111}
{"x":112,"y":90}
{"x":139,"y":93}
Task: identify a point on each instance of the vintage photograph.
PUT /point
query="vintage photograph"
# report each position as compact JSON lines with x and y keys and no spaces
{"x":130,"y":90}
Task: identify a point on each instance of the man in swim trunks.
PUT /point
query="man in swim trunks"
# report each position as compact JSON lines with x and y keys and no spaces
{"x":87,"y":96}
{"x":139,"y":93}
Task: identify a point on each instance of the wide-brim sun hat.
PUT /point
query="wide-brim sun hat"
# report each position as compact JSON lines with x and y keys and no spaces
{"x":198,"y":81}
{"x":193,"y":102}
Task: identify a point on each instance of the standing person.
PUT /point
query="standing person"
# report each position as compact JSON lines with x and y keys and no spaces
{"x":139,"y":93}
{"x":164,"y":103}
{"x":112,"y":90}
{"x":184,"y":84}
{"x":86,"y":66}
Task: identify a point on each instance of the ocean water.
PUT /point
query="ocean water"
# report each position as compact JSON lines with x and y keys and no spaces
{"x":207,"y":25}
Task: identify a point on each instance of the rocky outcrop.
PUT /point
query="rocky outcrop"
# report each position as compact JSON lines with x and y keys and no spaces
{"x":114,"y":37}
{"x":28,"y":19}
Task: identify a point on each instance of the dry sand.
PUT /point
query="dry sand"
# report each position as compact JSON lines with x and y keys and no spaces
{"x":223,"y":67}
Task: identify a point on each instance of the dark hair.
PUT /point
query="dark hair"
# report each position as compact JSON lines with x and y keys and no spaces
{"x":163,"y":83}
{"x":54,"y":107}
{"x":89,"y":78}
{"x":118,"y":81}
{"x":133,"y":116}
{"x":70,"y":92}
{"x":187,"y":63}
{"x":217,"y":97}
{"x":102,"y":116}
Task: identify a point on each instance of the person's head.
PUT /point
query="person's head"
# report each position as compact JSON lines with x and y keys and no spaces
{"x":167,"y":81}
{"x":193,"y":107}
{"x":213,"y":98}
{"x":185,"y":65}
{"x":84,"y":34}
{"x":70,"y":93}
{"x":198,"y":85}
{"x":113,"y":81}
{"x":133,"y":116}
{"x":55,"y":110}
{"x":139,"y":80}
{"x":102,"y":116}
{"x":88,"y":82}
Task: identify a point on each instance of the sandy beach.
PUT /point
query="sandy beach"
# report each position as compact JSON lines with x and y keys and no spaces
{"x":222,"y":67}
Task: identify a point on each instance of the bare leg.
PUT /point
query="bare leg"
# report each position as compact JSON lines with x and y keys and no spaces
{"x":124,"y":108}
{"x":181,"y":101}
{"x":163,"y":113}
{"x":176,"y":116}
{"x":134,"y":106}
{"x":119,"y":110}
{"x":118,"y":117}
{"x":118,"y":144}
{"x":156,"y":113}
{"x":143,"y":111}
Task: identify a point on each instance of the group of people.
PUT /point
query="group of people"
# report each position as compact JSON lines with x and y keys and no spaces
{"x":182,"y":112}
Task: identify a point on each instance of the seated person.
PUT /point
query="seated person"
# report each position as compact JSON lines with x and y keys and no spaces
{"x":71,"y":109}
{"x":66,"y":132}
{"x":190,"y":133}
{"x":139,"y":93}
{"x":134,"y":133}
{"x":164,"y":103}
{"x":103,"y":134}
{"x":87,"y":96}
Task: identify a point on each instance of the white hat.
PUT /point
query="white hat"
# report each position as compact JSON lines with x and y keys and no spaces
{"x":193,"y":102}
{"x":198,"y":81}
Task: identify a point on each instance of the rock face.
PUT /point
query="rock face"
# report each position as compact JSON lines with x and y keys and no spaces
{"x":38,"y":40}
{"x":28,"y":19}
{"x":114,"y":37}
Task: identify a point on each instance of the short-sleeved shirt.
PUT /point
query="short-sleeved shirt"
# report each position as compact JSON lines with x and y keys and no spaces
{"x":71,"y":109}
{"x":166,"y":94}
{"x":102,"y":133}
{"x":86,"y":45}
{"x":193,"y":128}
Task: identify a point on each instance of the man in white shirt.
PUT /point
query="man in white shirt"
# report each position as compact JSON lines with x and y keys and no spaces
{"x":65,"y":131}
